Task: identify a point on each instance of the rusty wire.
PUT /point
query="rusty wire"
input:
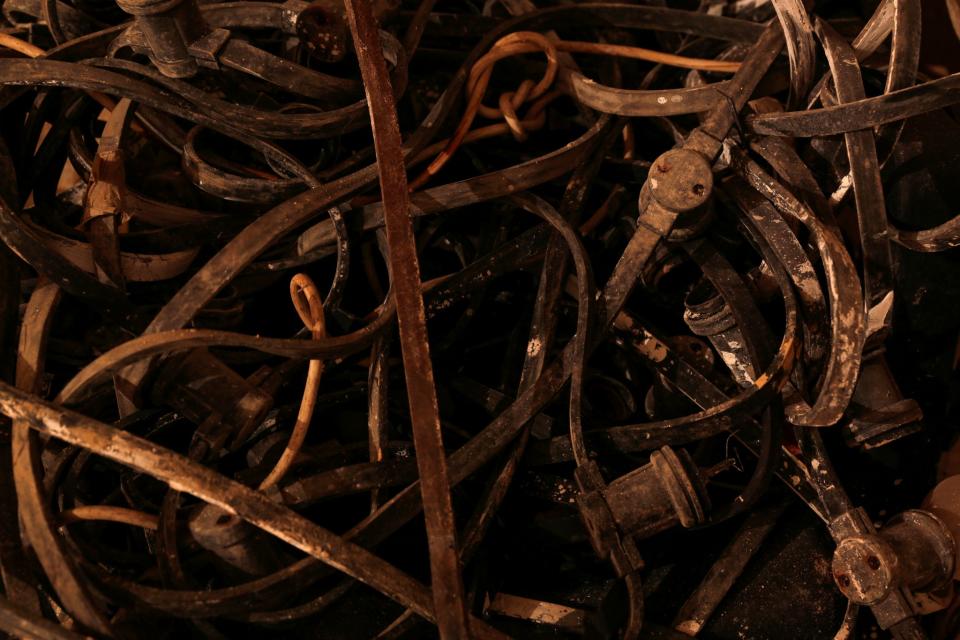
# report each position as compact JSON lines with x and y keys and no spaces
{"x":573,"y":275}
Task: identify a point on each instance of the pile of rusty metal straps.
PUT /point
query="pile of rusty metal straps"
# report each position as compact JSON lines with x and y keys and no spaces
{"x":280,"y":279}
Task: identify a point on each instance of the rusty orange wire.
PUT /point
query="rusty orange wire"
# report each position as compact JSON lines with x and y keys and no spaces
{"x":524,"y":42}
{"x":309,"y":306}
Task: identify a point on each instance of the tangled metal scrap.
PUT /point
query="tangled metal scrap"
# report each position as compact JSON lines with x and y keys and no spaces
{"x":656,"y":285}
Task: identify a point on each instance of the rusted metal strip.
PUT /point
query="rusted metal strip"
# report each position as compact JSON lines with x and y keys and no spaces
{"x":227,"y":494}
{"x":34,"y":510}
{"x":868,"y":191}
{"x":228,"y":164}
{"x":448,"y":596}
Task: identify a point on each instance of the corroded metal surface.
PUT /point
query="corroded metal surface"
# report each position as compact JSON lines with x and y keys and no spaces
{"x":508,"y":319}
